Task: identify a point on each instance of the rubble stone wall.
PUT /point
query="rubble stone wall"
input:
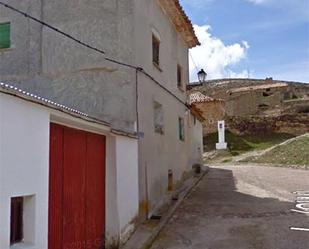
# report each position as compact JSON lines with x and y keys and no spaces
{"x":295,"y":124}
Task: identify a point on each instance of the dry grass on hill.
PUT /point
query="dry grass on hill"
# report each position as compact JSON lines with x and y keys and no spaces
{"x":294,"y":153}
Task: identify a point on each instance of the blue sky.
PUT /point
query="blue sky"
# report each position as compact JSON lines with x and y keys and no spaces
{"x":256,"y":38}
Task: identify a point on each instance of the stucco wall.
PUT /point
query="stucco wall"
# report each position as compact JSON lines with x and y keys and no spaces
{"x":160,"y":152}
{"x":24,"y":167}
{"x":79,"y":78}
{"x":127,"y":184}
{"x":195,"y":131}
{"x":24,"y":160}
{"x":53,"y":66}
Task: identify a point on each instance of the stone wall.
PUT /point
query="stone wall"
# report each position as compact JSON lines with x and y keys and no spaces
{"x":219,"y":87}
{"x":287,"y":123}
{"x":255,"y":106}
{"x":212,"y":112}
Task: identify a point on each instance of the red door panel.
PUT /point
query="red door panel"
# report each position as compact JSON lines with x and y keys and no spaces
{"x":55,"y":187}
{"x":74,"y":187}
{"x":95,"y":218}
{"x":77,"y":189}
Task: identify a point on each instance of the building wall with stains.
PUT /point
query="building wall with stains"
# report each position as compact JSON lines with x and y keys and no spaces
{"x":56,"y":67}
{"x":159,"y":153}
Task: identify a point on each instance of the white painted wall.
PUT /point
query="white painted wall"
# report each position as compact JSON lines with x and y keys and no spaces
{"x":158,"y":153}
{"x":127,"y":184}
{"x":196,"y":141}
{"x":24,"y":159}
{"x":24,"y":166}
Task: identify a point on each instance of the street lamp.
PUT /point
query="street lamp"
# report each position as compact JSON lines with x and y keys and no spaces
{"x":201,"y":76}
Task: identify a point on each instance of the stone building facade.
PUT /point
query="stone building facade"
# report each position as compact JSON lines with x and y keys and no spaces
{"x":250,"y":103}
{"x":212,"y":110}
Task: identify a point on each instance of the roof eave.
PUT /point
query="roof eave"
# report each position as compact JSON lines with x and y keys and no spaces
{"x":180,"y":20}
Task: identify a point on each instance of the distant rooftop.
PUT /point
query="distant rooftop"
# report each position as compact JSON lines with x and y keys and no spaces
{"x":198,"y":97}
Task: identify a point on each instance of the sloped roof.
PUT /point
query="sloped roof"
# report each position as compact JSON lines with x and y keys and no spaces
{"x":181,"y":21}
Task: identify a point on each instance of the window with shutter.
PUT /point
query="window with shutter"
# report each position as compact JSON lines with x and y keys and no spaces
{"x":5,"y":35}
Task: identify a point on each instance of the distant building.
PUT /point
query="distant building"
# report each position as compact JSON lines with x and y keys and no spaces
{"x":212,"y":110}
{"x":238,"y":101}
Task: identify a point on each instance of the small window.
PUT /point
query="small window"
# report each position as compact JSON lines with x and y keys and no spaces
{"x":5,"y":35}
{"x":16,"y":220}
{"x":179,"y":76}
{"x":158,"y":118}
{"x":194,"y":120}
{"x":155,"y":50}
{"x":181,"y":124}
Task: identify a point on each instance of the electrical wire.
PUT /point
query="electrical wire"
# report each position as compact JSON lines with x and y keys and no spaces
{"x":138,"y":69}
{"x":51,"y":27}
{"x":195,"y":65}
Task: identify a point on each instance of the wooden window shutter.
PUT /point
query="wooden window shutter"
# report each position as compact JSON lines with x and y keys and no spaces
{"x":5,"y":35}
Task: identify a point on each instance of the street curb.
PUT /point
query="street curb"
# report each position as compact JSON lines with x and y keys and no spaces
{"x":171,"y":212}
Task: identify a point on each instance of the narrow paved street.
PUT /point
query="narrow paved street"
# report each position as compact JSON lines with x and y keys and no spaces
{"x":240,"y":207}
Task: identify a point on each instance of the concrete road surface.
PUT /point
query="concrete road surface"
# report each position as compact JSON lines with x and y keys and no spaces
{"x":240,"y":207}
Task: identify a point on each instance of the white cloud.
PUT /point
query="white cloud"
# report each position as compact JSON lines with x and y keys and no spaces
{"x":215,"y":56}
{"x":257,"y":1}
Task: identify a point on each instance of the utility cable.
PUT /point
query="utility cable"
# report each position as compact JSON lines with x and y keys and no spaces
{"x":138,"y":69}
{"x":195,"y":65}
{"x":51,"y":27}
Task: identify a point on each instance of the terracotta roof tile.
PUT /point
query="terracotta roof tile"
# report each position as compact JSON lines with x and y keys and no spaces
{"x":198,"y":97}
{"x":180,"y":20}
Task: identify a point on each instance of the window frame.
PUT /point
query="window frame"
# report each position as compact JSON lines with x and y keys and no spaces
{"x":159,"y":127}
{"x":8,"y":40}
{"x":16,"y":220}
{"x":156,"y":45}
{"x":180,"y":77}
{"x":181,"y":129}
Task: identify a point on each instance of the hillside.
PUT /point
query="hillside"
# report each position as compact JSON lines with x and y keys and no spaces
{"x":293,"y":153}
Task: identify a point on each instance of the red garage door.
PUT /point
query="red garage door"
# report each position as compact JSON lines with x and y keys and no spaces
{"x":76,"y":189}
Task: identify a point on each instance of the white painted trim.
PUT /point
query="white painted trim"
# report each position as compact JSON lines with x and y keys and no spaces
{"x":156,"y":33}
{"x":67,"y":120}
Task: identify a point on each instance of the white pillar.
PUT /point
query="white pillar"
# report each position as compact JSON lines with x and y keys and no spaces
{"x":222,"y":145}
